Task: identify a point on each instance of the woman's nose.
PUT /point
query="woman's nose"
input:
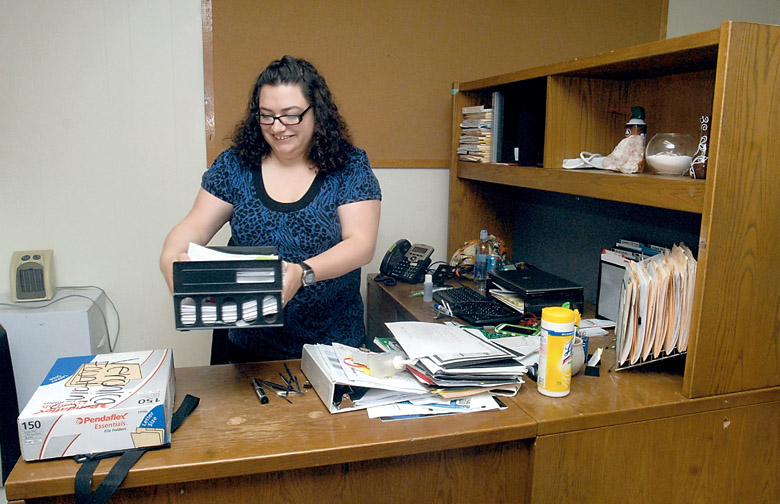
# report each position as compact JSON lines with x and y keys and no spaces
{"x":277,"y":126}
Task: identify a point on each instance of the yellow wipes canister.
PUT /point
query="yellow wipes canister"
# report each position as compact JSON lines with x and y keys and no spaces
{"x":554,"y":378}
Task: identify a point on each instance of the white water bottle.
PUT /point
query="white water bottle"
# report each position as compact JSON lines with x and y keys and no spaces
{"x":428,"y":288}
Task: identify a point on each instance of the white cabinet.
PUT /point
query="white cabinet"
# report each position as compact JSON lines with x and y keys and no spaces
{"x":71,"y":324}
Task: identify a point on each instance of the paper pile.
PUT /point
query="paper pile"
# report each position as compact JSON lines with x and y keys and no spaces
{"x":448,"y":370}
{"x":455,"y":362}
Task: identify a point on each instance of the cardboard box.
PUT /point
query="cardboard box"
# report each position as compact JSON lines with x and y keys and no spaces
{"x":100,"y":403}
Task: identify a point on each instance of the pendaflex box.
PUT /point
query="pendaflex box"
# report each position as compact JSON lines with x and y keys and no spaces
{"x":100,"y":403}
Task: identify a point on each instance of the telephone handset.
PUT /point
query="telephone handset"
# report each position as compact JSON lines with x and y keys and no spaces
{"x":406,"y":262}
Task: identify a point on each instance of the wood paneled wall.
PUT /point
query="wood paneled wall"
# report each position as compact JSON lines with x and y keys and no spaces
{"x":391,"y":64}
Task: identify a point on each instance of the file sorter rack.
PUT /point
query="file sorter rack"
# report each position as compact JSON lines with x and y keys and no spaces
{"x":223,"y":285}
{"x":650,"y":359}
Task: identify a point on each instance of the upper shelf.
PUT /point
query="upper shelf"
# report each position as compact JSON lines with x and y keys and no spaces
{"x":673,"y":79}
{"x":675,"y":193}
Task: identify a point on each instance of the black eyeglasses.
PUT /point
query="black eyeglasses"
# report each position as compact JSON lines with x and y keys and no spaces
{"x":287,"y":120}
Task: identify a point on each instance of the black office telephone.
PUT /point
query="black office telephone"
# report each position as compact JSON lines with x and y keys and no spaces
{"x":406,"y":262}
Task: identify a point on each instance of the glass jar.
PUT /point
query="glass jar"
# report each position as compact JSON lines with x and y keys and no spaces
{"x":670,"y":153}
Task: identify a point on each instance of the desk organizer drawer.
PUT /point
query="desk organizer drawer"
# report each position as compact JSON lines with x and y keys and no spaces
{"x":230,"y":293}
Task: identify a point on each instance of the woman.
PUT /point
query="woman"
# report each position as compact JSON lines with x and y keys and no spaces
{"x":293,"y":180}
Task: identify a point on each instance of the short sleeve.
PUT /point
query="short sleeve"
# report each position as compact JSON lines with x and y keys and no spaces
{"x":226,"y":179}
{"x":359,"y":182}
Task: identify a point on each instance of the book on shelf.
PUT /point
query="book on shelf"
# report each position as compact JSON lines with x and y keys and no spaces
{"x":481,"y":131}
{"x":497,"y":127}
{"x":474,"y":109}
{"x":475,"y":140}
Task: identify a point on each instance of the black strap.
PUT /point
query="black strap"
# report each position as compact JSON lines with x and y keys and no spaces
{"x":108,"y":486}
{"x":120,"y":469}
{"x":185,"y":408}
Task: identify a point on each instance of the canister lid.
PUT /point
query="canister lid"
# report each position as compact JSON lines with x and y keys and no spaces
{"x":559,"y":315}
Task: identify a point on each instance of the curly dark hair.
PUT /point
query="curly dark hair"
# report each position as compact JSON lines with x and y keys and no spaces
{"x":331,"y":143}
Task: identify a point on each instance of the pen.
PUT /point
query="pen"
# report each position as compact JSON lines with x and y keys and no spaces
{"x":259,"y":391}
{"x":435,"y":289}
{"x":274,"y":386}
{"x":289,"y":374}
{"x":298,"y":386}
{"x":283,"y":395}
{"x":293,"y":379}
{"x":440,"y":308}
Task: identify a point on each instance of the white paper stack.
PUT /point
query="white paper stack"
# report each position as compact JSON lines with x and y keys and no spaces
{"x":457,"y":362}
{"x":200,"y":253}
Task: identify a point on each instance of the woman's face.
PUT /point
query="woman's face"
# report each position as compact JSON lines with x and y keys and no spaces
{"x":286,"y":141}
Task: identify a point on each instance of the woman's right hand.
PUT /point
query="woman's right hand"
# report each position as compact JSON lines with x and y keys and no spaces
{"x":167,"y":269}
{"x":207,"y":216}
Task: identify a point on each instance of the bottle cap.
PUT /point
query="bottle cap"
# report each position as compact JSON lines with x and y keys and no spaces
{"x":637,"y":116}
{"x":428,"y":277}
{"x":483,"y":235}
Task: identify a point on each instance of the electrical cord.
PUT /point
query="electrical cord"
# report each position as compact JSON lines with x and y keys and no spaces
{"x":431,"y":268}
{"x":111,"y":345}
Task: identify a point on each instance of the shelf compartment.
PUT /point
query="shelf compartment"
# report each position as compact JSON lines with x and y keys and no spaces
{"x":523,"y":117}
{"x":674,"y":193}
{"x":589,"y":114}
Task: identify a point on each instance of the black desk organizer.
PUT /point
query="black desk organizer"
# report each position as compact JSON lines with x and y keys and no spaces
{"x":216,"y":284}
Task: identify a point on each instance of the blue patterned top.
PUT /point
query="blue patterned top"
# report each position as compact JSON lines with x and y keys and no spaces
{"x":330,"y":310}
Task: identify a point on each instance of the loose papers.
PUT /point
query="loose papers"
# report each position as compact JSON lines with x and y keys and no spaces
{"x":458,"y":362}
{"x":446,"y":345}
{"x":200,"y":253}
{"x":424,"y":407}
{"x":448,"y":371}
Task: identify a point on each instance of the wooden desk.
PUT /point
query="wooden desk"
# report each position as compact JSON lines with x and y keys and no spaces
{"x":233,"y":449}
{"x":631,"y":435}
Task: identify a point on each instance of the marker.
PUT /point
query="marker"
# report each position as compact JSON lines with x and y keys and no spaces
{"x":259,"y":391}
{"x":440,"y":308}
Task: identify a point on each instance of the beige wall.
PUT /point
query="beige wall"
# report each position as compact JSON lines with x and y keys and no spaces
{"x":691,"y":16}
{"x":102,"y":144}
{"x":102,"y":147}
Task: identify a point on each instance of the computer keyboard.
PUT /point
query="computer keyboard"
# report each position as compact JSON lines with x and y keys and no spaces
{"x":458,"y":295}
{"x":474,"y":308}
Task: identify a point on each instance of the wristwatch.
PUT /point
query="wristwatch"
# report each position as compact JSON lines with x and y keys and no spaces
{"x":307,"y":275}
